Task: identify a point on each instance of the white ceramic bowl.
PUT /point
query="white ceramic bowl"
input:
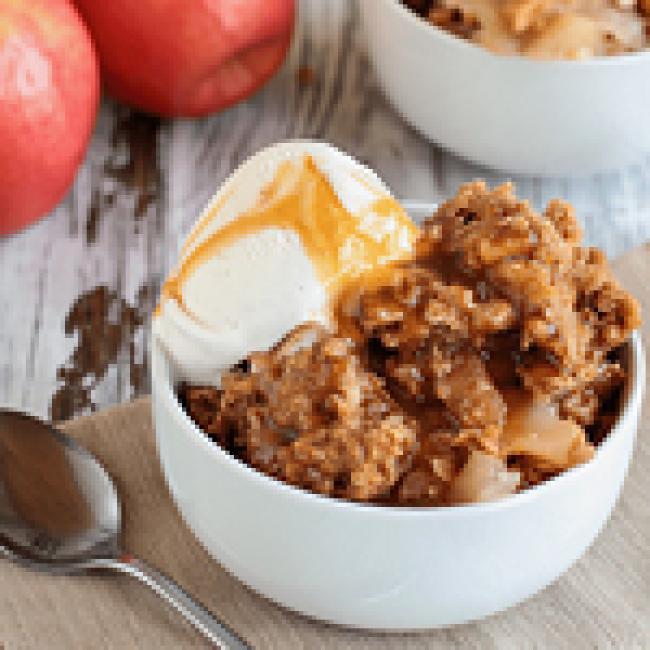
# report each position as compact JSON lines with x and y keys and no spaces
{"x":384,"y":567}
{"x":511,"y":113}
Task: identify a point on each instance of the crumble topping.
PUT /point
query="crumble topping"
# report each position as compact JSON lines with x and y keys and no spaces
{"x":308,"y":413}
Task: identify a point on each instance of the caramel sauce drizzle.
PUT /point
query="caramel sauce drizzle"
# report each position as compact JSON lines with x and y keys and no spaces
{"x":340,"y":245}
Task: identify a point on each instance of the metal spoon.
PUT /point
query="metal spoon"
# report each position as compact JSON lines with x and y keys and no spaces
{"x":60,"y":513}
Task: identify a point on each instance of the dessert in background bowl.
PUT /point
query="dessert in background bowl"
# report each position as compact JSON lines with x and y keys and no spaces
{"x":545,"y":29}
{"x":407,"y":370}
{"x":534,"y":112}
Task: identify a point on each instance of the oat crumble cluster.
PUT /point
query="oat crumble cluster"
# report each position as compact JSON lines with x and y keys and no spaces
{"x":552,"y":29}
{"x":487,"y":363}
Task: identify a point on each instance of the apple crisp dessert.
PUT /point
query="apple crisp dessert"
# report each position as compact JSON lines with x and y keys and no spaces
{"x":488,"y":362}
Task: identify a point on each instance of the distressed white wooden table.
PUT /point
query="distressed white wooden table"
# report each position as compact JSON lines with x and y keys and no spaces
{"x":76,"y":290}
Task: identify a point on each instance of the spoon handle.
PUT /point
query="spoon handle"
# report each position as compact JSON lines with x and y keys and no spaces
{"x":218,"y":633}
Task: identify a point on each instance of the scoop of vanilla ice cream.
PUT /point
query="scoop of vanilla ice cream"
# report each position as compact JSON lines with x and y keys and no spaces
{"x":283,"y":233}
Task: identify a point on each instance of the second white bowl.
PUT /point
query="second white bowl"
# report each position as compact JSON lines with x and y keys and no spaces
{"x":511,"y":113}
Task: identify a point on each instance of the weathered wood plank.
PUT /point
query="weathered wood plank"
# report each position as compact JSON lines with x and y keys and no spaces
{"x":74,"y":286}
{"x":96,"y":262}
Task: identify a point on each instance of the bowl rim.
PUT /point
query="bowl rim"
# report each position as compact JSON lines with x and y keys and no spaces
{"x":401,"y":10}
{"x":161,"y":375}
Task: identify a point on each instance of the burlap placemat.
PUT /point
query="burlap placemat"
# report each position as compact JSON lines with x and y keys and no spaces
{"x":602,"y":602}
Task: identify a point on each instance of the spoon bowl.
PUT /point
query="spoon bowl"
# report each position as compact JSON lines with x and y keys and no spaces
{"x":60,"y":513}
{"x":57,"y":503}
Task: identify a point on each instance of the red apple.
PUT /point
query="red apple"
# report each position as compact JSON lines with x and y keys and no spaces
{"x":49,"y":89}
{"x":187,"y":57}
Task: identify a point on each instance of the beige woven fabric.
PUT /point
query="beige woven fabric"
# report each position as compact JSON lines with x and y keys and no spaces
{"x":602,"y":602}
